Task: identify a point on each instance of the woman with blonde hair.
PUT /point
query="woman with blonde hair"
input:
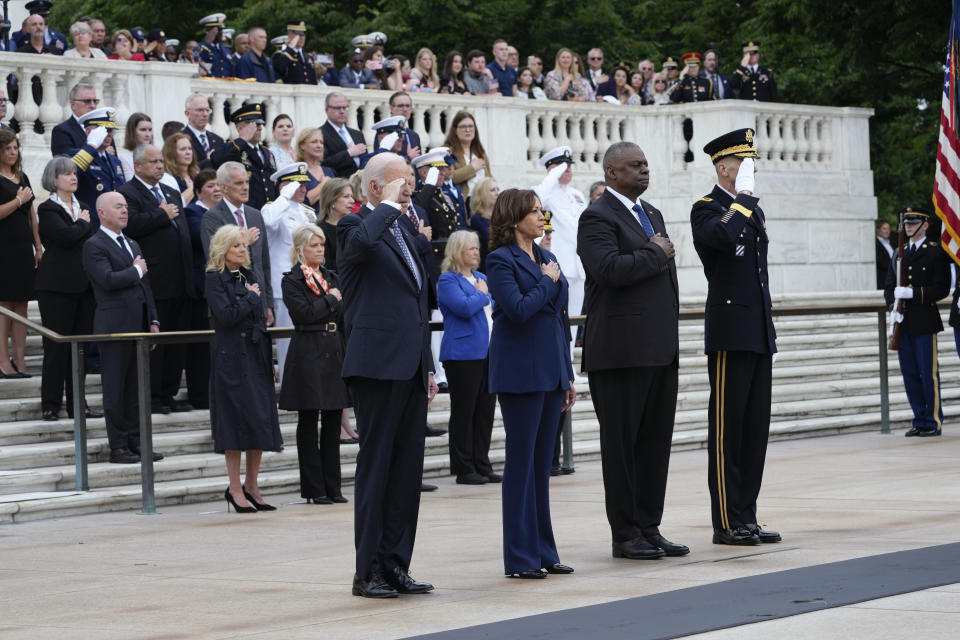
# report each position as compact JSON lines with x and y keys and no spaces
{"x":425,"y":70}
{"x":312,"y":384}
{"x":123,"y":46}
{"x":564,"y":81}
{"x":481,"y":205}
{"x":463,"y":140}
{"x":180,"y":164}
{"x":660,"y":95}
{"x":243,"y":404}
{"x":309,"y":149}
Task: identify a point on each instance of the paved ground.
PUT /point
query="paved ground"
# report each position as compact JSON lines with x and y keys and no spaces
{"x":195,"y":571}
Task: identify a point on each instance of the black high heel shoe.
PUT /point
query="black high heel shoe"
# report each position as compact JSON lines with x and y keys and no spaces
{"x":259,"y":506}
{"x":20,"y":374}
{"x":230,"y":501}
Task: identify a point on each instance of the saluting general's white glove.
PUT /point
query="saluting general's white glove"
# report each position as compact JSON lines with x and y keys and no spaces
{"x":432,"y":174}
{"x":289,"y":189}
{"x":557,"y":170}
{"x":903,"y":293}
{"x":386,"y":144}
{"x":745,"y":179}
{"x":96,"y":137}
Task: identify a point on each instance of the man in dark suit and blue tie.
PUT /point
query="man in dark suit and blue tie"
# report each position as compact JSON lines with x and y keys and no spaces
{"x":630,"y":350}
{"x":155,"y":222}
{"x":389,"y":367}
{"x":69,"y":134}
{"x":204,"y":141}
{"x":116,"y":269}
{"x":342,"y":146}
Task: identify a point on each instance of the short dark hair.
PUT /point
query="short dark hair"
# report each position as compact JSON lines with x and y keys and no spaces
{"x":474,"y":54}
{"x":511,"y":207}
{"x":397,"y":94}
{"x":203,"y":177}
{"x":171,"y":127}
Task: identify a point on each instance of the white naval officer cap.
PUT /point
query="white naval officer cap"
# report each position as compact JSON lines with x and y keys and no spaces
{"x":556,"y":156}
{"x":436,"y":157}
{"x":393,"y":123}
{"x":293,"y":172}
{"x":213,"y":20}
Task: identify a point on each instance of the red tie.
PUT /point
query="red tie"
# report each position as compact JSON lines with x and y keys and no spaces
{"x":239,"y":214}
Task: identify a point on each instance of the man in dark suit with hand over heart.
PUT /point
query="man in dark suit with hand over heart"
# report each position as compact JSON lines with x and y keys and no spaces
{"x":630,"y":350}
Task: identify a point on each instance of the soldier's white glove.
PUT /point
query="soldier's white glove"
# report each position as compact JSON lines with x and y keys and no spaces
{"x":386,"y":144}
{"x":96,"y":137}
{"x":289,"y":189}
{"x":557,"y":170}
{"x":895,"y":317}
{"x":773,"y":359}
{"x":745,"y":180}
{"x":903,"y":293}
{"x":432,"y":174}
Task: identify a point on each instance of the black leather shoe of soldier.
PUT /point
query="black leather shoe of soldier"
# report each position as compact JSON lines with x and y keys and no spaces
{"x":373,"y":587}
{"x":740,"y":536}
{"x":401,"y":581}
{"x":763,"y":535}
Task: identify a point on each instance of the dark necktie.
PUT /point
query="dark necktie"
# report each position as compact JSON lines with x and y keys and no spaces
{"x":204,"y":143}
{"x":644,"y":220}
{"x":160,"y":200}
{"x":406,"y":252}
{"x":124,"y":246}
{"x":413,"y":217}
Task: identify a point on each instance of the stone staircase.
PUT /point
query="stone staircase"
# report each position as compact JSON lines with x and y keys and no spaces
{"x":826,"y":381}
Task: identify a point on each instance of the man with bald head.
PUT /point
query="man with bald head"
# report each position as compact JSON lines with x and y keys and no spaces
{"x":116,"y":268}
{"x":389,"y":367}
{"x":631,"y":349}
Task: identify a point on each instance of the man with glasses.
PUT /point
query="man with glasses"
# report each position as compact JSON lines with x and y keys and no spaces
{"x":69,"y":134}
{"x":197,"y":110}
{"x":354,"y":75}
{"x":401,"y":104}
{"x":595,"y":74}
{"x":342,"y":146}
{"x":535,"y":64}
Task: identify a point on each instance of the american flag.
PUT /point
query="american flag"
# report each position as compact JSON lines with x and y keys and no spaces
{"x":946,"y":181}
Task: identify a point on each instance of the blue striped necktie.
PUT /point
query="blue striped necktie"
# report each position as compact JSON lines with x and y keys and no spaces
{"x":644,"y":220}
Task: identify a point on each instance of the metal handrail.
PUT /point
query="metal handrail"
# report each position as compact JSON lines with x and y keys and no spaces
{"x":145,"y":339}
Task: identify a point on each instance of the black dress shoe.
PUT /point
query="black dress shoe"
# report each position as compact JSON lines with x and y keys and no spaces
{"x":320,"y":500}
{"x":443,"y":387}
{"x":339,"y":499}
{"x":92,"y":413}
{"x":156,"y":456}
{"x":555,"y":470}
{"x":567,"y":470}
{"x":50,"y":415}
{"x":400,"y":580}
{"x":472,"y":478}
{"x":531,"y":574}
{"x":637,"y":549}
{"x":427,"y":487}
{"x":559,"y":568}
{"x":740,"y":536}
{"x":762,"y":535}
{"x":433,"y":431}
{"x":373,"y":587}
{"x":495,"y":478}
{"x":922,"y":433}
{"x":180,"y":407}
{"x":669,"y":548}
{"x":123,"y":456}
{"x":160,"y":408}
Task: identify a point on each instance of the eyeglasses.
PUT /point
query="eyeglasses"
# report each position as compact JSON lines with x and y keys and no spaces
{"x":356,"y":60}
{"x":659,"y":82}
{"x":465,"y":127}
{"x":93,"y":101}
{"x":595,"y":58}
{"x":400,"y":105}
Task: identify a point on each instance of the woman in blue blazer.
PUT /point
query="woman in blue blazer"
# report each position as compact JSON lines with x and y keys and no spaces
{"x":531,"y":371}
{"x":464,"y":299}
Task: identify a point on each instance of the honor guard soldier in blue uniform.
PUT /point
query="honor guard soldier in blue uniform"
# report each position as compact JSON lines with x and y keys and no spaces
{"x":730,"y":236}
{"x":214,"y":57}
{"x":247,"y":150}
{"x":752,"y":81}
{"x":691,"y":87}
{"x":432,"y":169}
{"x":291,"y":64}
{"x":926,"y":277}
{"x":98,"y":171}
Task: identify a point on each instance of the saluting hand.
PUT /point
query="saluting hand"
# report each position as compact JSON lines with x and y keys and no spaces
{"x":391,"y":190}
{"x":664,"y":243}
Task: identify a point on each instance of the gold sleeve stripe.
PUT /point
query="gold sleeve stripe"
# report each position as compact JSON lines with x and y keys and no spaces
{"x":82,"y":159}
{"x":736,"y":206}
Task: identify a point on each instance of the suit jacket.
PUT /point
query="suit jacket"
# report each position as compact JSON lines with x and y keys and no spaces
{"x":883,"y":263}
{"x":348,"y":79}
{"x":424,"y":249}
{"x":124,"y":299}
{"x":387,"y":319}
{"x":258,"y":67}
{"x":465,"y":332}
{"x":61,"y":269}
{"x":335,"y":153}
{"x":194,"y":213}
{"x":165,"y":242}
{"x":631,"y":293}
{"x":410,"y":139}
{"x":723,"y":81}
{"x":927,"y":271}
{"x":67,"y":136}
{"x":219,"y":215}
{"x":730,"y":237}
{"x":530,"y":343}
{"x":262,"y":188}
{"x":213,"y":140}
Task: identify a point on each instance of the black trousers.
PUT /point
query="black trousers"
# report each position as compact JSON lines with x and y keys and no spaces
{"x":471,"y":416}
{"x":65,"y":313}
{"x":390,"y":418}
{"x":739,"y":425}
{"x":198,"y":356}
{"x":319,"y":466}
{"x":120,"y":403}
{"x":636,"y":409}
{"x":167,"y":360}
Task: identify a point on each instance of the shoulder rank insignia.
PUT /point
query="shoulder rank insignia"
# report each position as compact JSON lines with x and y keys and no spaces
{"x":704,"y":199}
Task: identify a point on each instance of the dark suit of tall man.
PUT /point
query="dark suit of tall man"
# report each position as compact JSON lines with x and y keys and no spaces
{"x":213,"y":141}
{"x":335,"y":154}
{"x":630,"y":348}
{"x":387,"y":362}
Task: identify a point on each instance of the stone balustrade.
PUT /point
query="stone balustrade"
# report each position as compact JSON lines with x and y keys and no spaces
{"x":815,"y":179}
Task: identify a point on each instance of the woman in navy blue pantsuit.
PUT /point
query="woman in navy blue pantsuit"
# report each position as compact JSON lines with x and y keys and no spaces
{"x":531,"y":371}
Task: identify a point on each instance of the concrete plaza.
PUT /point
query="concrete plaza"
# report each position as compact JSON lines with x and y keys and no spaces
{"x":195,"y":571}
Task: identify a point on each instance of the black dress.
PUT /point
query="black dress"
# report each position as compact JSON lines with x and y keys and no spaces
{"x":16,"y":245}
{"x":329,"y":245}
{"x":243,"y":405}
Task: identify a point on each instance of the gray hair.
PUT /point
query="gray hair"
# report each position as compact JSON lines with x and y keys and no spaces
{"x":194,"y":96}
{"x":615,"y":152}
{"x":223,"y":172}
{"x":376,"y":167}
{"x":56,"y":167}
{"x":141,"y":152}
{"x":331,"y":96}
{"x":80,"y":27}
{"x":77,"y":88}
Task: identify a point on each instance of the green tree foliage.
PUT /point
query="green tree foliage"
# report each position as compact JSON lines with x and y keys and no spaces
{"x":883,"y":54}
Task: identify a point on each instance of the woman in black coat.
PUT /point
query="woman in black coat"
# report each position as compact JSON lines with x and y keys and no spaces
{"x":243,"y":405}
{"x":312,"y":383}
{"x":63,"y":290}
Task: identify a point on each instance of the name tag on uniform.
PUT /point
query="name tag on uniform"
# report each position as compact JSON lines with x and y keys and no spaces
{"x":739,"y":250}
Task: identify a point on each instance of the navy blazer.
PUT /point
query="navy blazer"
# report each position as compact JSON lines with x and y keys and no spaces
{"x":335,"y":153}
{"x":121,"y":293}
{"x":348,"y":79}
{"x":465,"y":332}
{"x":257,"y":67}
{"x":66,"y":136}
{"x":530,"y":344}
{"x":387,"y":319}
